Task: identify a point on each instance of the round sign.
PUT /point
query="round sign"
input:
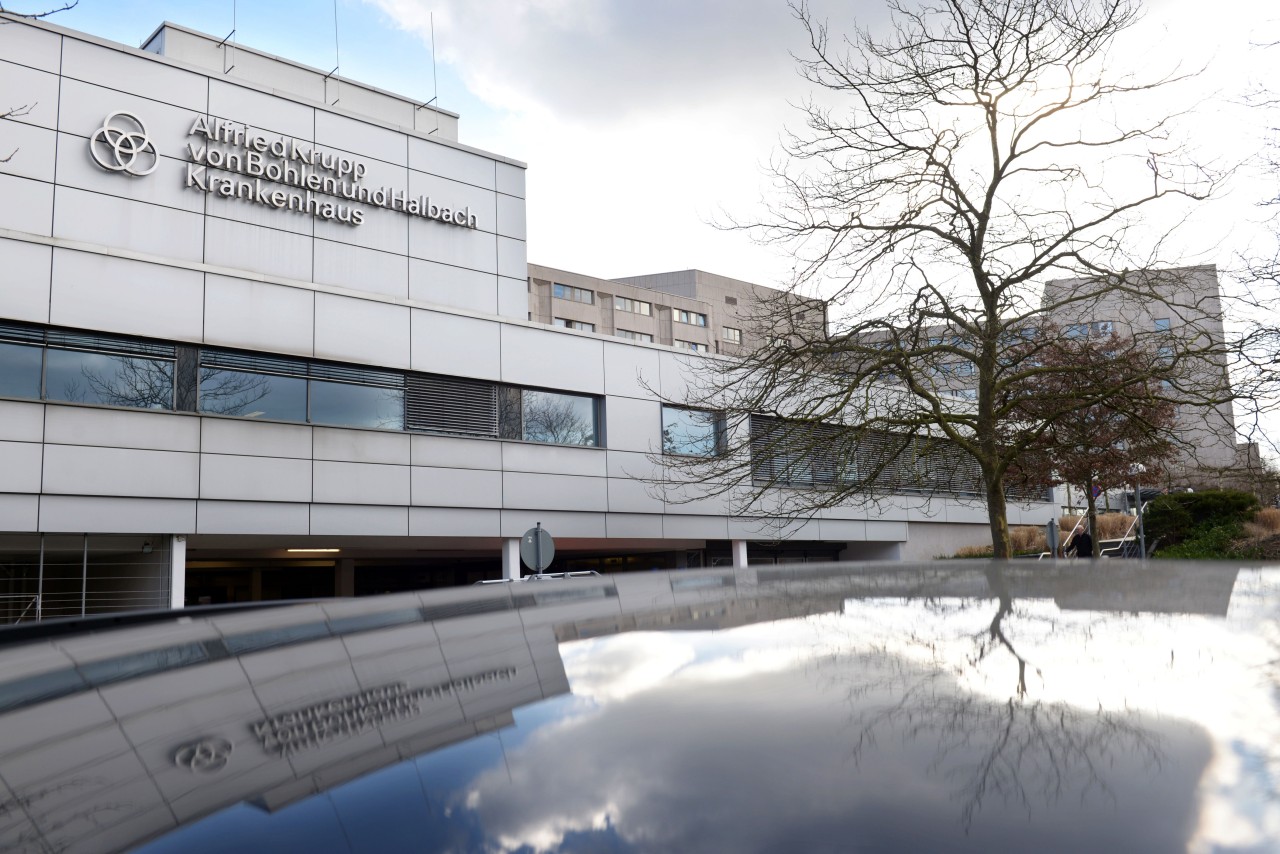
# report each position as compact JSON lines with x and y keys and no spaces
{"x":537,"y":548}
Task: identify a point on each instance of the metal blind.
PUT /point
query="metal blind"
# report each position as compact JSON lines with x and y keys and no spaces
{"x":253,"y":362}
{"x":18,"y":332}
{"x":109,"y":344}
{"x":451,"y":405}
{"x":364,"y":376}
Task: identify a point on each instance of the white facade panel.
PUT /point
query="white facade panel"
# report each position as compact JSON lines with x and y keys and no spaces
{"x":21,"y":422}
{"x":29,"y":46}
{"x":22,"y":512}
{"x":258,"y":316}
{"x":541,"y":357}
{"x":126,"y":72}
{"x":456,"y":195}
{"x":355,"y":330}
{"x":695,"y":527}
{"x":91,"y":291}
{"x":456,"y":287}
{"x":256,"y":249}
{"x":121,"y":428}
{"x":843,"y":530}
{"x":163,"y":187}
{"x":80,"y":513}
{"x":453,"y":522}
{"x":634,"y":425}
{"x":456,"y":487}
{"x":513,"y":262}
{"x":30,"y":150}
{"x":361,"y":269}
{"x":457,"y":452}
{"x":84,"y":107}
{"x":28,"y":205}
{"x":20,"y":466}
{"x":254,"y":438}
{"x":631,"y":371}
{"x":456,"y":346}
{"x":382,"y":229}
{"x":559,"y":523}
{"x":361,"y":138}
{"x":453,"y":245}
{"x":246,"y":213}
{"x":122,"y":224}
{"x":511,"y":218}
{"x":438,"y":159}
{"x":31,"y":92}
{"x":259,"y":110}
{"x":254,"y":478}
{"x":879,"y":529}
{"x":553,"y":459}
{"x":630,"y":465}
{"x":252,"y":517}
{"x":24,"y":279}
{"x":338,"y":519}
{"x":640,"y":526}
{"x":513,"y":300}
{"x":80,"y":470}
{"x":554,"y":492}
{"x":360,"y":446}
{"x":360,"y":483}
{"x":510,"y":179}
{"x":634,"y":496}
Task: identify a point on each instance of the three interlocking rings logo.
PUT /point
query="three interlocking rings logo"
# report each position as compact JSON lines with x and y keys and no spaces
{"x":206,"y":756}
{"x":122,"y":145}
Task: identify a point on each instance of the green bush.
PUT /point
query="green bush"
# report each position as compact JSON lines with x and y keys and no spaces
{"x":1186,"y":515}
{"x":1167,"y":520}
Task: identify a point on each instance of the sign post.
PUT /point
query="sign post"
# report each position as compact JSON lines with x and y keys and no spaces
{"x":537,"y":549}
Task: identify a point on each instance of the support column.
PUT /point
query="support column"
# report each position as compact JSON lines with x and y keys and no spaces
{"x":345,"y":578}
{"x":177,"y":571}
{"x":511,"y":558}
{"x":739,"y":550}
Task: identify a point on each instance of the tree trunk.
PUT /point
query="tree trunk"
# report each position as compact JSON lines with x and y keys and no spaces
{"x":1092,"y":502}
{"x":998,"y":514}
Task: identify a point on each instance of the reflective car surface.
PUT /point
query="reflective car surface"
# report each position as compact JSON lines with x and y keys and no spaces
{"x":951,"y":706}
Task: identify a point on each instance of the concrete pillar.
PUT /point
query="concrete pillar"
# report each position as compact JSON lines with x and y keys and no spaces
{"x":511,"y":558}
{"x":344,"y":581}
{"x":739,"y":549}
{"x":177,"y":571}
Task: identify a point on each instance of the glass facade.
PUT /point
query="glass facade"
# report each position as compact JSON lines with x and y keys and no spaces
{"x":350,"y":405}
{"x":253,"y":395}
{"x":692,"y":432}
{"x":112,"y":379}
{"x":19,"y":370}
{"x":561,"y":419}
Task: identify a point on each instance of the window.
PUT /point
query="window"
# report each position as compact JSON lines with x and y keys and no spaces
{"x":110,"y":371}
{"x":966,"y":393}
{"x":20,"y":370}
{"x":1102,"y":328}
{"x":634,"y":336}
{"x":580,"y":325}
{"x":560,"y":419}
{"x":568,"y":292}
{"x":253,"y":386}
{"x":692,"y":432}
{"x":692,"y":345}
{"x":356,"y":397}
{"x":692,"y":318}
{"x":733,"y":336}
{"x":1162,"y":324}
{"x":634,"y":306}
{"x":1077,"y":330}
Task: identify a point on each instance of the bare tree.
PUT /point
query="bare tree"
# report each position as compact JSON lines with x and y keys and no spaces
{"x":20,"y":110}
{"x":987,"y":177}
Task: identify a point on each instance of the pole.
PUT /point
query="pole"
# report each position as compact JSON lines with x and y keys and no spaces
{"x":1142,"y":534}
{"x":537,"y":548}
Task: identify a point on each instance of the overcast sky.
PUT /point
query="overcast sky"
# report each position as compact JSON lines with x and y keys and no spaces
{"x":643,"y":122}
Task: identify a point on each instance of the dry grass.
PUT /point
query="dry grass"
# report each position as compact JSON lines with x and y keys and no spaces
{"x":1027,"y":539}
{"x":1266,"y":523}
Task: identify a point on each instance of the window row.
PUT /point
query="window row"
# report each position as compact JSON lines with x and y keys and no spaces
{"x":580,"y":325}
{"x":48,"y":364}
{"x":569,"y":292}
{"x":1096,"y":329}
{"x":691,"y":317}
{"x":635,"y":336}
{"x":634,"y":306}
{"x":692,"y":345}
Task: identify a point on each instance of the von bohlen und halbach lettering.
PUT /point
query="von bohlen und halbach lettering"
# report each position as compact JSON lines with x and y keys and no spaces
{"x":282,"y":160}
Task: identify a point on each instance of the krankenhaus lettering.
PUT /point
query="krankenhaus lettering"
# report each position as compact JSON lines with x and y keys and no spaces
{"x":328,"y":185}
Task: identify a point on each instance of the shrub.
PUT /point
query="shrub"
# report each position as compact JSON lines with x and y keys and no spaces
{"x":1174,"y":518}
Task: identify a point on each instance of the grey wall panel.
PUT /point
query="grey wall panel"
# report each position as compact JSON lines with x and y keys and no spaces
{"x":634,"y":425}
{"x":882,"y":530}
{"x":254,"y":438}
{"x":121,"y":428}
{"x":643,"y":526}
{"x":695,"y":502}
{"x":511,"y":217}
{"x":360,"y":483}
{"x":512,"y":258}
{"x":78,"y":513}
{"x":629,"y":465}
{"x":631,"y":371}
{"x":451,"y":522}
{"x":30,"y":46}
{"x":260,"y":250}
{"x":455,"y":487}
{"x":22,"y":512}
{"x":114,"y":69}
{"x":21,"y":422}
{"x":956,"y":511}
{"x":542,"y":357}
{"x":456,"y":452}
{"x":513,"y":297}
{"x":254,"y":478}
{"x":28,"y":205}
{"x":848,"y":530}
{"x":111,"y":221}
{"x":259,"y":110}
{"x":455,"y":345}
{"x":695,"y":527}
{"x":553,"y":459}
{"x":382,"y":229}
{"x":356,"y":330}
{"x":162,"y":187}
{"x":456,"y":195}
{"x":84,"y":107}
{"x":20,"y":466}
{"x":30,"y":150}
{"x":453,"y":245}
{"x":361,"y":138}
{"x":258,"y":316}
{"x":77,"y":470}
{"x":747,"y":528}
{"x":361,"y":269}
{"x":553,"y":492}
{"x":251,"y":213}
{"x":360,"y":521}
{"x":22,"y":86}
{"x":510,"y":180}
{"x":92,"y":291}
{"x":453,"y":286}
{"x":360,"y":446}
{"x":439,"y":159}
{"x":677,"y":374}
{"x":25,"y":280}
{"x":633,"y":496}
{"x":559,"y":524}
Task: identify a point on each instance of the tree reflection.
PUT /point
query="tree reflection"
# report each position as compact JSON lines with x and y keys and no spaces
{"x":558,"y":419}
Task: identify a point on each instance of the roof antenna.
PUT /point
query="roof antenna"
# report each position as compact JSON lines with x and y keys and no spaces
{"x":336,"y":62}
{"x":435,"y":92}
{"x":228,"y":50}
